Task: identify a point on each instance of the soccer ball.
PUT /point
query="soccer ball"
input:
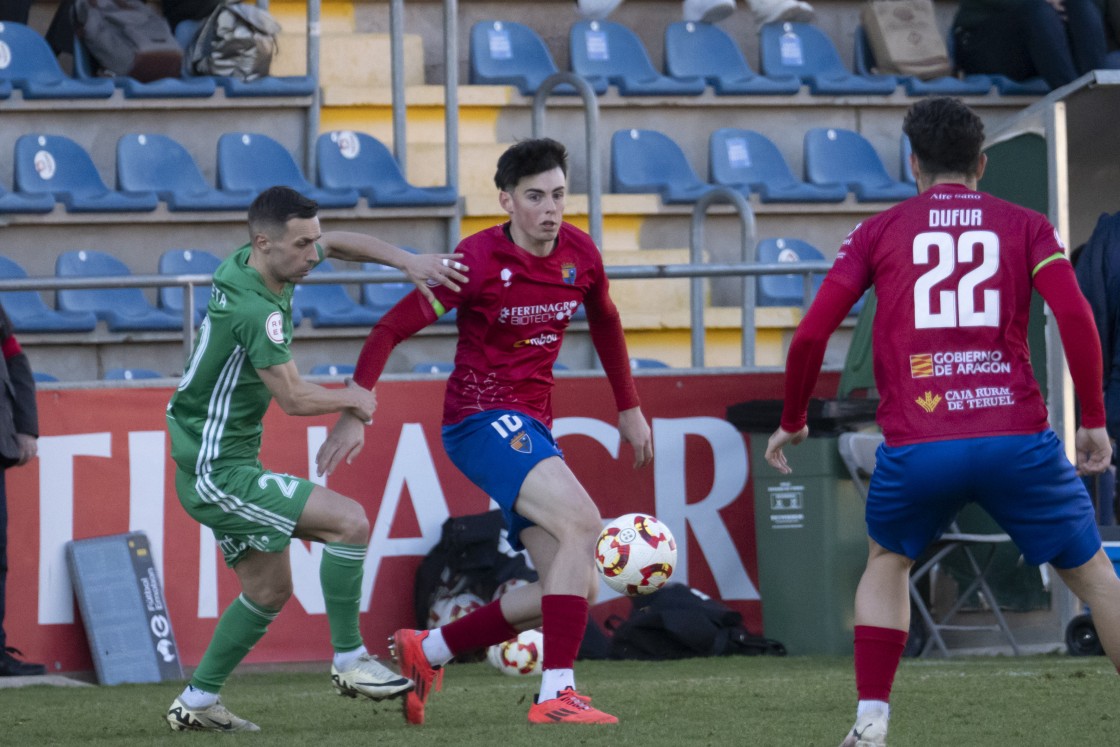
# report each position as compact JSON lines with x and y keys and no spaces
{"x":519,"y":657}
{"x":507,"y":586}
{"x":448,"y":608}
{"x":636,"y":554}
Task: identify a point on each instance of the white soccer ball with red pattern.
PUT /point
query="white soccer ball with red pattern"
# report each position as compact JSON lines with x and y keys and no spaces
{"x":507,"y":586}
{"x":448,"y":608}
{"x":519,"y":657}
{"x":636,"y":554}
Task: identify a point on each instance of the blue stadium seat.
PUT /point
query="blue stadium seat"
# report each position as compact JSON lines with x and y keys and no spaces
{"x":786,"y":290}
{"x":186,"y":262}
{"x":156,"y":163}
{"x":644,"y":161}
{"x":56,"y":165}
{"x":32,"y":68}
{"x":511,"y":54}
{"x":122,"y":309}
{"x":249,"y":161}
{"x":604,"y":49}
{"x":637,"y":364}
{"x":836,"y":156}
{"x":129,"y":374}
{"x":904,"y":160}
{"x":29,"y":313}
{"x":332,"y":369}
{"x":706,"y":50}
{"x":164,"y":88}
{"x":380,"y":297}
{"x":750,"y":162}
{"x":42,"y":377}
{"x":432,"y":367}
{"x":268,"y":85}
{"x":329,"y":305}
{"x":18,"y":202}
{"x":357,"y":161}
{"x":803,"y":50}
{"x":970,"y":85}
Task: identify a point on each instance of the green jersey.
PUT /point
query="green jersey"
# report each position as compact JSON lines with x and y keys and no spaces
{"x":215,"y":415}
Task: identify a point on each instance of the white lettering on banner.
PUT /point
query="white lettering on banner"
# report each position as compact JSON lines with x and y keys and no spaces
{"x":412,"y":466}
{"x":207,"y":573}
{"x":306,"y":556}
{"x":56,"y":518}
{"x":146,"y":459}
{"x":728,"y":482}
{"x":605,"y":433}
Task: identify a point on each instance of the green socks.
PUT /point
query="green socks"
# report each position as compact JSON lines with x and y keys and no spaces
{"x":340,"y":574}
{"x":240,"y":627}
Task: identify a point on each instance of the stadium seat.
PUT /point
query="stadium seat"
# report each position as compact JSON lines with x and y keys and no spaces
{"x":948,"y":85}
{"x":704,"y":50}
{"x":32,"y":68}
{"x":748,"y":161}
{"x":18,"y":202}
{"x":156,"y":163}
{"x":836,"y":156}
{"x":348,"y":160}
{"x":506,"y":53}
{"x":328,"y":304}
{"x":122,"y":309}
{"x":803,"y":50}
{"x":268,"y":85}
{"x":645,"y":161}
{"x":907,"y":173}
{"x":253,"y":162}
{"x":29,"y":313}
{"x":604,"y":49}
{"x":56,"y":165}
{"x":857,"y":451}
{"x":186,"y":262}
{"x":41,"y":377}
{"x":128,"y":374}
{"x":786,"y":290}
{"x":433,"y":367}
{"x":164,"y":88}
{"x":380,"y":297}
{"x":332,"y":369}
{"x":638,"y":364}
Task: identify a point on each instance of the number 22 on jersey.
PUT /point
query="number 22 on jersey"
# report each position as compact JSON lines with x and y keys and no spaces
{"x":958,"y":307}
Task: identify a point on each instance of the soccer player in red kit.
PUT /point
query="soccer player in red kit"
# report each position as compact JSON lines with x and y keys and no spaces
{"x":962,"y":416}
{"x":528,"y":278}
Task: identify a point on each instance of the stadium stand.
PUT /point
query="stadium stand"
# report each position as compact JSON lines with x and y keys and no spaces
{"x":249,"y":161}
{"x":332,"y":369}
{"x":907,"y":175}
{"x":786,"y":290}
{"x":129,"y":374}
{"x":970,"y":85}
{"x":694,"y":49}
{"x":42,"y":377}
{"x":148,"y":162}
{"x":122,"y":309}
{"x":433,"y":367}
{"x":512,"y":54}
{"x":639,"y":364}
{"x":56,"y":165}
{"x":163,"y":88}
{"x":328,"y":304}
{"x":32,"y":68}
{"x":268,"y":85}
{"x":186,"y":262}
{"x":838,"y":156}
{"x":356,"y":161}
{"x":803,"y":50}
{"x":750,"y":162}
{"x":29,"y":313}
{"x":19,"y":202}
{"x":380,"y":297}
{"x":610,"y":50}
{"x":644,"y":161}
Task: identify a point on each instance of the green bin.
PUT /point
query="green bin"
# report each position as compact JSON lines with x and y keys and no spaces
{"x":812,"y":546}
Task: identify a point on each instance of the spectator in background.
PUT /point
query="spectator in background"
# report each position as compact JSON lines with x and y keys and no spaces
{"x":15,"y":10}
{"x":711,"y":11}
{"x":1059,"y":40}
{"x":19,"y":429}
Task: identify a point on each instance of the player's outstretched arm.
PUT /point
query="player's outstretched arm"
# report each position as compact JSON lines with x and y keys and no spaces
{"x":424,"y":270}
{"x":345,"y":441}
{"x":634,"y":430}
{"x":298,"y":397}
{"x":778,"y":441}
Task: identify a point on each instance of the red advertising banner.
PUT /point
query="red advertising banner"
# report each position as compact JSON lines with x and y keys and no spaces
{"x":104,"y":467}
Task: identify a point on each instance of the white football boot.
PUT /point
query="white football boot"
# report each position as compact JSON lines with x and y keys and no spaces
{"x":370,"y":679}
{"x":215,"y":718}
{"x":870,"y":730}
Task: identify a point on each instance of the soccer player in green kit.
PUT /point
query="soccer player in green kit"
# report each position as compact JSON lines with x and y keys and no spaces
{"x":241,"y":362}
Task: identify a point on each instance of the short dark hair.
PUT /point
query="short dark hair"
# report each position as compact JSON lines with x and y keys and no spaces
{"x":528,"y":158}
{"x":945,"y":135}
{"x":274,"y":207}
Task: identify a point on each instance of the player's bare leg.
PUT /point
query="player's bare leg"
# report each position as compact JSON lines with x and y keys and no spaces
{"x":1097,"y":584}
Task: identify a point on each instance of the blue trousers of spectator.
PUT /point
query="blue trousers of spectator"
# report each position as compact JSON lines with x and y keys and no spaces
{"x":1031,"y":39}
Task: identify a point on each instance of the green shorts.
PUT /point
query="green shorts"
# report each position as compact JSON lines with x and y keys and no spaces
{"x":248,"y":507}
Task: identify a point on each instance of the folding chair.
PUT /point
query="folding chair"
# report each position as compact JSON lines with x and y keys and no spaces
{"x":858,"y":450}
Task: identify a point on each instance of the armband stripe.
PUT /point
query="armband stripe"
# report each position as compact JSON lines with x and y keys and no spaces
{"x":1053,"y":257}
{"x":439,"y":308}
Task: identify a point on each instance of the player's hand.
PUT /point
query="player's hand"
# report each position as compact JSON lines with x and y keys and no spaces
{"x":1094,"y":450}
{"x":634,"y":429}
{"x":428,"y":270}
{"x":364,"y":401}
{"x":345,"y":441}
{"x":777,"y":442}
{"x":28,"y":448}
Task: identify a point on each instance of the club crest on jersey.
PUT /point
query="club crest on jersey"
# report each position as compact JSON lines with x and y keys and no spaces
{"x":568,"y":272}
{"x":929,"y":401}
{"x":274,"y":327}
{"x":521,"y":443}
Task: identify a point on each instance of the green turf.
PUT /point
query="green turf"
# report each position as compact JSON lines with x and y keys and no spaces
{"x":797,"y":701}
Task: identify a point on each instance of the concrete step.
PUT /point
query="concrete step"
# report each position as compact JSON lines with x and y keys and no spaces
{"x":350,"y":59}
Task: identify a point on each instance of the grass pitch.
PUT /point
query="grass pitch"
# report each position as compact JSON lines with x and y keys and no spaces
{"x":796,"y":701}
